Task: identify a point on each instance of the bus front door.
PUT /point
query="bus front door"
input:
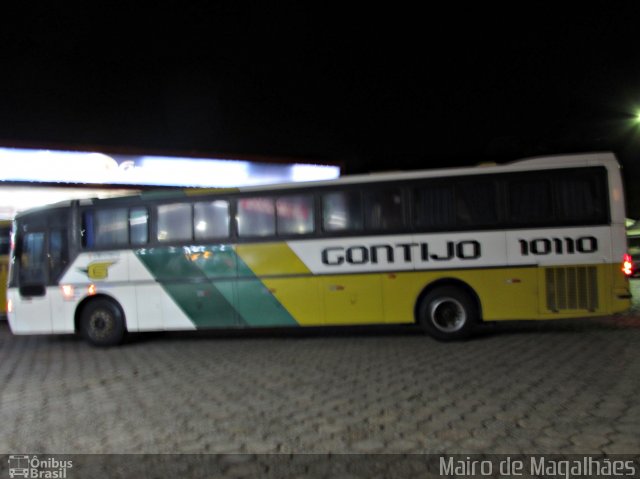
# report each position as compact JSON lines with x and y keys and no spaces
{"x":32,"y":303}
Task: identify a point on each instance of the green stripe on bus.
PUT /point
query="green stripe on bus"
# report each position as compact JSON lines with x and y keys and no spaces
{"x":183,"y":274}
{"x":256,"y":304}
{"x":214,"y":287}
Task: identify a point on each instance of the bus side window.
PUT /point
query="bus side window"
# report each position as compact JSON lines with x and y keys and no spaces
{"x":138,"y":226}
{"x":87,"y":232}
{"x":111,"y":227}
{"x":295,"y":214}
{"x":435,"y":206}
{"x":342,"y":211}
{"x":256,"y":217}
{"x":530,"y":201}
{"x":383,"y":209}
{"x":580,"y":198}
{"x":175,"y":222}
{"x":211,"y":219}
{"x":476,"y":203}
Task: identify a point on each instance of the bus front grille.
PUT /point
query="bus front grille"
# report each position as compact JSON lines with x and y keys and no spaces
{"x":572,"y":288}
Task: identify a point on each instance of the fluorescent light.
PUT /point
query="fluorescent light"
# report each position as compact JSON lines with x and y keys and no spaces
{"x":58,"y":166}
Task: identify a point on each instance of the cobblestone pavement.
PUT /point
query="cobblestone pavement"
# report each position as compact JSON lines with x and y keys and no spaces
{"x":557,"y":387}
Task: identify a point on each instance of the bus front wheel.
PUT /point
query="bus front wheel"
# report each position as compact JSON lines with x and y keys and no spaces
{"x":448,"y":313}
{"x":102,"y":323}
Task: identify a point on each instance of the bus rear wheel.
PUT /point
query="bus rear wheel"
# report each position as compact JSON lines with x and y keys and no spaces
{"x":448,"y":313}
{"x":102,"y":323}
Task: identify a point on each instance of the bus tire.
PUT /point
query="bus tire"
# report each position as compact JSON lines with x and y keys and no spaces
{"x":448,"y":313}
{"x":102,"y":323}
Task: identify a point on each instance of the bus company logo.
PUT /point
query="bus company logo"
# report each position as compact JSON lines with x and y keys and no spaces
{"x":97,"y":269}
{"x":401,"y":252}
{"x":22,"y":465}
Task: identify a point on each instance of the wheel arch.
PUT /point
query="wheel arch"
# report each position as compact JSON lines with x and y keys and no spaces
{"x":452,"y":282}
{"x":88,"y":300}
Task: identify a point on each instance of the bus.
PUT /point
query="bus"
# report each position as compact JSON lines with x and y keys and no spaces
{"x":5,"y":231}
{"x":540,"y":238}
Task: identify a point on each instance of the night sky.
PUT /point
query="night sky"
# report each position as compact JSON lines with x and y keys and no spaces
{"x":378,"y":88}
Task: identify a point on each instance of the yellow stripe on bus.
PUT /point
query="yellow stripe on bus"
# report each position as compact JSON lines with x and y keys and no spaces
{"x":506,"y":294}
{"x":271,"y":259}
{"x":296,"y":291}
{"x":209,"y":191}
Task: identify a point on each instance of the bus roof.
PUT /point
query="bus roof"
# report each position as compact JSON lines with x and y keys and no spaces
{"x":533,"y":163}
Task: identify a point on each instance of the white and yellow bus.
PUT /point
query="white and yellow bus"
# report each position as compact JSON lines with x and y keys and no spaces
{"x":541,"y":238}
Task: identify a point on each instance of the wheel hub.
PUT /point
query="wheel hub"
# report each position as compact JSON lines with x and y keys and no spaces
{"x":100,"y":324}
{"x":448,"y":315}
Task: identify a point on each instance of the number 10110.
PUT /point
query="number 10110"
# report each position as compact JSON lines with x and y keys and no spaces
{"x":543,"y":246}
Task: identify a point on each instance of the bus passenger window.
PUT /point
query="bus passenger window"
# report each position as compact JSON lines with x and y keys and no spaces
{"x":530,"y":201}
{"x":476,"y":203}
{"x":110,"y":227}
{"x":295,"y":214}
{"x":138,"y":226}
{"x":383,"y":210}
{"x":174,"y":222}
{"x":580,"y":199}
{"x":342,"y":211}
{"x":256,"y":217}
{"x":435,"y":207}
{"x":211,"y":219}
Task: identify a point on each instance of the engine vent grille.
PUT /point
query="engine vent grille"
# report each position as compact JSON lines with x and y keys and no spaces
{"x":572,"y":288}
